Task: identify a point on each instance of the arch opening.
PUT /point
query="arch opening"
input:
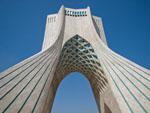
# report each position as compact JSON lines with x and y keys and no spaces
{"x":74,"y":94}
{"x":78,"y":55}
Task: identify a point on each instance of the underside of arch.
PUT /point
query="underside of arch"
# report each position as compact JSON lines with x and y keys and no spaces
{"x":78,"y":55}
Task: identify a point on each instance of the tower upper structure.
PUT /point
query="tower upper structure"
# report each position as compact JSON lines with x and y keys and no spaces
{"x":76,"y":21}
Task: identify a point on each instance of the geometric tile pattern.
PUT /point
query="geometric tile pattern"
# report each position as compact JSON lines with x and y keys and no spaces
{"x":78,"y":55}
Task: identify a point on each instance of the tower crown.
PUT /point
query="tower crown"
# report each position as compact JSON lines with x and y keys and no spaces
{"x":75,"y":12}
{"x":72,"y":22}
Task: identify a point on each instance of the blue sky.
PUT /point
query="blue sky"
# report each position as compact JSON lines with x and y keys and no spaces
{"x":22,"y":25}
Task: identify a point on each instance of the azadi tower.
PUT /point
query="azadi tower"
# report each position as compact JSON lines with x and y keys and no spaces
{"x":75,"y":41}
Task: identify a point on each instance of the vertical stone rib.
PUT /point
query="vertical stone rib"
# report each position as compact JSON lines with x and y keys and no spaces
{"x":128,"y":88}
{"x":132,"y":73}
{"x":9,"y":78}
{"x":135,"y":90}
{"x":24,"y":88}
{"x":138,"y":69}
{"x":32,"y":94}
{"x":121,"y":101}
{"x":142,"y":83}
{"x":16,"y":81}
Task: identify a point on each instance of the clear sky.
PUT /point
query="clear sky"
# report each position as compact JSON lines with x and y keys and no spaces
{"x":22,"y":25}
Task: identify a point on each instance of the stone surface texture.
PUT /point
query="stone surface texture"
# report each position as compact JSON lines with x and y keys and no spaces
{"x":75,"y":41}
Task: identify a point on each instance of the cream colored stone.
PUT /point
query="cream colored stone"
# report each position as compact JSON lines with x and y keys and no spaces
{"x":75,"y":41}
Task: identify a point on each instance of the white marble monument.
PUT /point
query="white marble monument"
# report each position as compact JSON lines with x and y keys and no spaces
{"x":75,"y":41}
